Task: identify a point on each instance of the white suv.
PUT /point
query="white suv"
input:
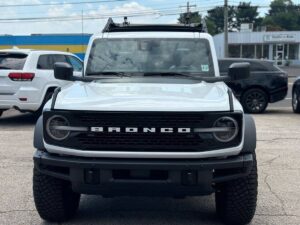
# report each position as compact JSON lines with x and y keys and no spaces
{"x":150,"y":117}
{"x":27,"y":80}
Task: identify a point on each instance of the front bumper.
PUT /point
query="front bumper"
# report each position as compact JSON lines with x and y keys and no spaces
{"x":143,"y":177}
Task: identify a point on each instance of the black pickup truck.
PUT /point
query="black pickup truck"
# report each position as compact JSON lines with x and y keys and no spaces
{"x":267,"y":84}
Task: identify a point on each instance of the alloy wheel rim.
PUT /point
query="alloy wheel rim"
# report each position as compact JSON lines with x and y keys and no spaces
{"x":255,"y":101}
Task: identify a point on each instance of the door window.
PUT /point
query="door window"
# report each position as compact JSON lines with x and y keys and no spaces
{"x":45,"y":62}
{"x":224,"y":65}
{"x":256,"y":67}
{"x":76,"y":63}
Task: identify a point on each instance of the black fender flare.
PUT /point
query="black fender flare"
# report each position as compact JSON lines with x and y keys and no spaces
{"x":38,"y":142}
{"x":249,"y":135}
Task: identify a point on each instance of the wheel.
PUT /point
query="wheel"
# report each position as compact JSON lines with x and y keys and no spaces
{"x":48,"y":96}
{"x":236,"y":200}
{"x":254,"y":100}
{"x":54,"y":199}
{"x":295,"y":102}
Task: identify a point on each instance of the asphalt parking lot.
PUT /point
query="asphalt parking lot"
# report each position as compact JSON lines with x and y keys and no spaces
{"x":278,"y":154}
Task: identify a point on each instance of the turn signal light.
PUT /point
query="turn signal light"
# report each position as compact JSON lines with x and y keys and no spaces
{"x":21,"y":76}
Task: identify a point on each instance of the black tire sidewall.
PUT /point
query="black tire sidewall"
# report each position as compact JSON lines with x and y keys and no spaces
{"x":297,"y":108}
{"x":245,"y":96}
{"x":236,"y":200}
{"x":54,"y":199}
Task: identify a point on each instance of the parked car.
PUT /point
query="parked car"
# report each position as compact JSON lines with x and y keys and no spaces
{"x":267,"y":84}
{"x":296,"y":96}
{"x":27,"y":80}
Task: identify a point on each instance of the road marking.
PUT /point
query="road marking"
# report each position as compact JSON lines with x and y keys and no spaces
{"x":288,"y":98}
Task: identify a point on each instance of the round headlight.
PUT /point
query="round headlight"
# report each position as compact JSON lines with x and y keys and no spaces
{"x":54,"y":127}
{"x":226,"y":129}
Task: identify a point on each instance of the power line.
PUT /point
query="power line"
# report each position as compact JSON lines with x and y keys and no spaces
{"x":160,"y":11}
{"x":207,"y":4}
{"x":59,"y":3}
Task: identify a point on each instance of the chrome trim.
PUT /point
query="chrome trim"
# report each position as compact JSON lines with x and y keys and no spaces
{"x":212,"y":130}
{"x":70,"y":128}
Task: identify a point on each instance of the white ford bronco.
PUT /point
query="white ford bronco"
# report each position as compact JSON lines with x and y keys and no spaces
{"x":151,"y":116}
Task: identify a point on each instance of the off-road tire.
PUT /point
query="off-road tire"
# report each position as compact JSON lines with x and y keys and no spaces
{"x":255,"y":100}
{"x":54,"y":199}
{"x":296,"y":102}
{"x":236,"y":200}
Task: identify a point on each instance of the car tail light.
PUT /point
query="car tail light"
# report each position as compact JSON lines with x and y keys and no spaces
{"x":21,"y":76}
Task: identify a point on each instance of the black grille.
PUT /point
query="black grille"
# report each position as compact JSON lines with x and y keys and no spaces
{"x":122,"y":141}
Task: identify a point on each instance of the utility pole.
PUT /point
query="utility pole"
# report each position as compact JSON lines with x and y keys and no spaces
{"x":188,"y":10}
{"x":225,"y":28}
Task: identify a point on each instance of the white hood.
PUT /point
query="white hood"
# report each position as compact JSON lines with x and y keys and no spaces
{"x":98,"y":96}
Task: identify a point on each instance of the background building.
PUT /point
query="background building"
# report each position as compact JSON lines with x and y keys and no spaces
{"x":281,"y":46}
{"x":74,"y":43}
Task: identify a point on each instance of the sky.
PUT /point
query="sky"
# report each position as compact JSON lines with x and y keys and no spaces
{"x":23,"y":17}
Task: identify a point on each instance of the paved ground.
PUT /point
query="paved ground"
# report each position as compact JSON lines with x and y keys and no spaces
{"x":278,"y":153}
{"x":279,"y":171}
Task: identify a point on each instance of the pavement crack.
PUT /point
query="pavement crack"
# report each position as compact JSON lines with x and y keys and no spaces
{"x":270,"y":161}
{"x":18,"y":210}
{"x":266,"y":214}
{"x":277,"y":139}
{"x":275,"y":194}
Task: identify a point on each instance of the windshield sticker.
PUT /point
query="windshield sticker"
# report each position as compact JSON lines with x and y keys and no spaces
{"x":204,"y":68}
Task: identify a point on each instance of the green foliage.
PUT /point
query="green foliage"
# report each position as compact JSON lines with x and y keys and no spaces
{"x":245,"y":13}
{"x":215,"y":19}
{"x":193,"y":17}
{"x":283,"y":15}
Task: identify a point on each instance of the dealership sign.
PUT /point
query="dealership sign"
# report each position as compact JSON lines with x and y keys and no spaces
{"x":280,"y":38}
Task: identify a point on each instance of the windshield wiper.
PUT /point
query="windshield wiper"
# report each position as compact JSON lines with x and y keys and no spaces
{"x":118,"y":74}
{"x":4,"y":67}
{"x":197,"y":77}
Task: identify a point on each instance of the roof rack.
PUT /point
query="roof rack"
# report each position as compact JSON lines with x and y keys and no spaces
{"x":111,"y":26}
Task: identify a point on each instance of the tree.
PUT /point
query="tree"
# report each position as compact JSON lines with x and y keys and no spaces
{"x":283,"y":15}
{"x":215,"y":19}
{"x":192,"y":17}
{"x":245,"y":13}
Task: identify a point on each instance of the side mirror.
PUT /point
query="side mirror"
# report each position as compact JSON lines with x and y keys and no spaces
{"x":63,"y":71}
{"x":239,"y":71}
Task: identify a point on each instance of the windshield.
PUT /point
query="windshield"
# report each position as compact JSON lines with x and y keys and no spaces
{"x":191,"y":56}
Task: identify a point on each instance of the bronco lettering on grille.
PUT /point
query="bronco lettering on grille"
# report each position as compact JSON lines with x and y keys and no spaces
{"x":139,"y":130}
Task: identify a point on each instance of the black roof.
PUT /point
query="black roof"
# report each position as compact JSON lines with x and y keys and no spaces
{"x":111,"y":26}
